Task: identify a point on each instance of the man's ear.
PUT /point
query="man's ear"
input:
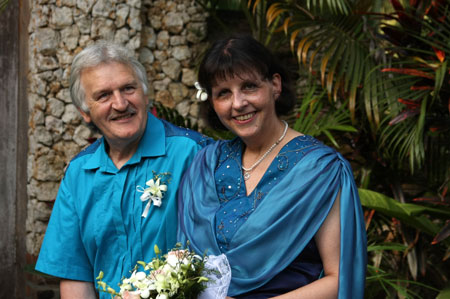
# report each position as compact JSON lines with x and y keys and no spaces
{"x":85,"y":115}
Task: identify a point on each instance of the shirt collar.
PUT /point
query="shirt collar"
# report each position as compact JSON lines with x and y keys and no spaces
{"x":152,"y":144}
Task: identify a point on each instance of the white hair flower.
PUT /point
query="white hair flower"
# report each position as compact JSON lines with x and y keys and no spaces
{"x":202,"y":95}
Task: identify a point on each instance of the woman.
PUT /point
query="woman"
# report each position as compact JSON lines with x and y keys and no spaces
{"x":282,"y":206}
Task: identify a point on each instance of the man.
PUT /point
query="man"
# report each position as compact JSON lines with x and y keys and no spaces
{"x":118,"y":197}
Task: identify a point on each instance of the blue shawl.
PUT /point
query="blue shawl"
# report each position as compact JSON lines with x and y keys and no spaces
{"x":284,"y":222}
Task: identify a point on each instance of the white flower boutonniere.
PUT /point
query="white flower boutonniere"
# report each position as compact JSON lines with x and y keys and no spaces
{"x":154,"y":192}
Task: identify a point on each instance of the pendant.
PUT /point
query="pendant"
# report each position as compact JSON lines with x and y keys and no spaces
{"x":246,"y":175}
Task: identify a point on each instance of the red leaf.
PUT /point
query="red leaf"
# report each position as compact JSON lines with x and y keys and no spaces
{"x":431,"y":200}
{"x":444,"y":192}
{"x":449,"y":106}
{"x":439,"y":54}
{"x":412,"y":72}
{"x":404,"y":115}
{"x":422,"y":87}
{"x":443,"y":234}
{"x":413,"y":3}
{"x":154,"y":112}
{"x":409,"y":103}
{"x":368,"y":217}
{"x":397,"y":5}
{"x":91,"y":140}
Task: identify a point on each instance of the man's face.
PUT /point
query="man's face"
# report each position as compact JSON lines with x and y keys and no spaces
{"x":116,"y":102}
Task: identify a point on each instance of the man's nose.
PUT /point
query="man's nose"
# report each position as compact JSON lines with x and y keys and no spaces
{"x":120,"y":102}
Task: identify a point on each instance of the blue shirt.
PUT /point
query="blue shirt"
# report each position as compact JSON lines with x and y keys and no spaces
{"x":96,"y":223}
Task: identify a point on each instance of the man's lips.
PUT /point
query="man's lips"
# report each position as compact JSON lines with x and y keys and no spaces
{"x":121,"y":116}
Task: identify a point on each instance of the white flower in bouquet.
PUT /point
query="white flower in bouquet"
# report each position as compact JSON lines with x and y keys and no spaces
{"x":179,"y":274}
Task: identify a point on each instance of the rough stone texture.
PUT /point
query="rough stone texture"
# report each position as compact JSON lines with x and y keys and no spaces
{"x":166,"y":36}
{"x":45,"y":41}
{"x":171,"y":68}
{"x":61,"y":17}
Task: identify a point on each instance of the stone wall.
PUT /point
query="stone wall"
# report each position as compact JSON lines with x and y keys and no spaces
{"x":166,"y":36}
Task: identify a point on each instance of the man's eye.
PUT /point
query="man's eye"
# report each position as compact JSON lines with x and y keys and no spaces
{"x":103,"y":96}
{"x":129,"y":88}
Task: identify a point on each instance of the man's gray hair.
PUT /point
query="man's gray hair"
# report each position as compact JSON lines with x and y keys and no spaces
{"x":98,"y":53}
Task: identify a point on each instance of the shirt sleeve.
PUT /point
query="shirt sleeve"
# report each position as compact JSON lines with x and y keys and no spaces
{"x":63,"y":253}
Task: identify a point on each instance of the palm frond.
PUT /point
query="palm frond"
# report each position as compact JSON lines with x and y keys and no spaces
{"x":314,"y":119}
{"x":333,"y":42}
{"x":3,"y":4}
{"x":336,"y":6}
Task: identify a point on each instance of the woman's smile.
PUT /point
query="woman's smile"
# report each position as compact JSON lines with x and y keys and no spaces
{"x":245,"y":117}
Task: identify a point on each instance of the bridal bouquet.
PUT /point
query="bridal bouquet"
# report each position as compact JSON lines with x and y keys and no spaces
{"x":179,"y":274}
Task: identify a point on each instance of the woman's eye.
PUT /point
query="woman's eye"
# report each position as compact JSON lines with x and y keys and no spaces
{"x":250,"y":86}
{"x":222,"y":93}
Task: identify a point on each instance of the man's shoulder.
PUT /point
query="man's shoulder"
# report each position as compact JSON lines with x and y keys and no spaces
{"x":176,"y":131}
{"x":88,"y":150}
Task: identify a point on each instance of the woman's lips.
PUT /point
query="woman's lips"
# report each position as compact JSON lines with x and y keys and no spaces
{"x":244,"y":117}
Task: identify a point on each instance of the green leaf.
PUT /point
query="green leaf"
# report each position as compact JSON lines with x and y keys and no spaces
{"x":100,"y":276}
{"x":410,"y":214}
{"x":345,"y":128}
{"x":444,"y":294}
{"x":3,"y":4}
{"x":391,"y":246}
{"x":156,"y":249}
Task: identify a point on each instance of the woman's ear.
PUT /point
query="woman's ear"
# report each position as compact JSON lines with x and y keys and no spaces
{"x":276,"y":85}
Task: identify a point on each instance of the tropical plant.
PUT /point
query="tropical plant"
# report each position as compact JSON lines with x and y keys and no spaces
{"x":3,"y":4}
{"x":341,"y":41}
{"x":252,"y":11}
{"x":388,"y":249}
{"x":173,"y":116}
{"x":310,"y":117}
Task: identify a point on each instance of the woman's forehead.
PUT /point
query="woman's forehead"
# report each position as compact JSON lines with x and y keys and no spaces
{"x":244,"y":76}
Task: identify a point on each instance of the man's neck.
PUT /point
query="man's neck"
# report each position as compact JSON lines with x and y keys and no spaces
{"x":120,"y":153}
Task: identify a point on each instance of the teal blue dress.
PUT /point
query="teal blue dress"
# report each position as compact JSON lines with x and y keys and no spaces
{"x":268,"y":236}
{"x":96,"y":223}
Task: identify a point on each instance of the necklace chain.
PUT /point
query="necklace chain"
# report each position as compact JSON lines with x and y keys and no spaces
{"x":248,"y":170}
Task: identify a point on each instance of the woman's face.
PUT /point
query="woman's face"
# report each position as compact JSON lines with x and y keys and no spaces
{"x":245,"y":104}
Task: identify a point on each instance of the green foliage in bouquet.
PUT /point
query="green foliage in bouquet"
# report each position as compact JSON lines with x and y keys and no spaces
{"x":177,"y":274}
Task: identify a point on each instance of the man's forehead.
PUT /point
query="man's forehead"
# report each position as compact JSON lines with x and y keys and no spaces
{"x":106,"y":74}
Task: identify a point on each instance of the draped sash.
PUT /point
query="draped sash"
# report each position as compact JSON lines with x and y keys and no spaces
{"x":283,"y":223}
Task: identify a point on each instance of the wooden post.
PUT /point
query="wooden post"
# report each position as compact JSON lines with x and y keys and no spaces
{"x":13,"y":148}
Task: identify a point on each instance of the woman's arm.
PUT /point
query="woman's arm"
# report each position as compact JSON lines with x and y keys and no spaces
{"x":73,"y":289}
{"x":328,"y":243}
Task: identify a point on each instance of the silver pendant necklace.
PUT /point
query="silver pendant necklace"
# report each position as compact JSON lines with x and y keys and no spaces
{"x":248,"y":170}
